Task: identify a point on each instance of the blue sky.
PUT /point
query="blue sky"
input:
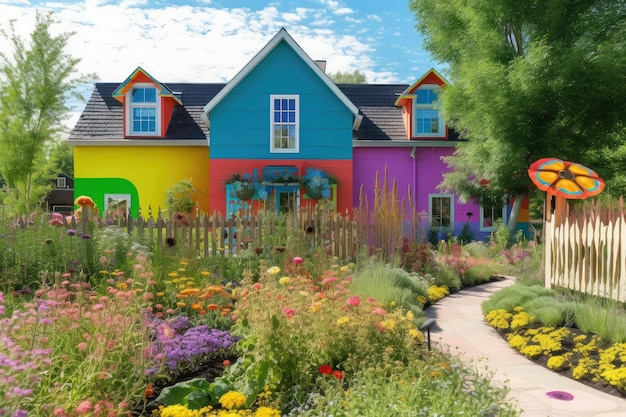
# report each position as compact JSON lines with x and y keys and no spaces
{"x":211,"y":40}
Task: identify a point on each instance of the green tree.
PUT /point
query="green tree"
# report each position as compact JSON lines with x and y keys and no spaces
{"x":354,"y":77}
{"x":36,"y":82}
{"x":529,"y":79}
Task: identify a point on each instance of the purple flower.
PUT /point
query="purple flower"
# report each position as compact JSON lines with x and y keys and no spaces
{"x":71,"y":232}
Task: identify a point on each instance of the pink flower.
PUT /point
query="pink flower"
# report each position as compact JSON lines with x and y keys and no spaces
{"x":379,"y":311}
{"x":354,"y":301}
{"x":289,"y":312}
{"x":82,"y":346}
{"x":329,"y":280}
{"x":297,"y":260}
{"x":57,"y":219}
{"x":84,"y":407}
{"x":59,"y":412}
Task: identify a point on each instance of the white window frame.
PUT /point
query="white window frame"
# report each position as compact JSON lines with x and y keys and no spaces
{"x":61,"y":182}
{"x":430,"y":210}
{"x":130,"y":106}
{"x":491,"y":228}
{"x":441,"y":125}
{"x":126,"y":197}
{"x":296,"y":148}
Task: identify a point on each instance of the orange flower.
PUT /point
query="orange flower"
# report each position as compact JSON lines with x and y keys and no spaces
{"x":149,"y":390}
{"x":84,"y":201}
{"x":196,"y":306}
{"x":212,"y":306}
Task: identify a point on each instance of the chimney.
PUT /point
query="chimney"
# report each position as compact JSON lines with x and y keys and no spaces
{"x":322,"y":64}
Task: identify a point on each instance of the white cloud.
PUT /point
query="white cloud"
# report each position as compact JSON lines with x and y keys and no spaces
{"x":343,"y":10}
{"x":202,"y":42}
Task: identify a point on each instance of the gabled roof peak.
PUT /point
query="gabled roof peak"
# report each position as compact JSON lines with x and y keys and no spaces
{"x":143,"y":75}
{"x":281,"y":36}
{"x":428,"y":78}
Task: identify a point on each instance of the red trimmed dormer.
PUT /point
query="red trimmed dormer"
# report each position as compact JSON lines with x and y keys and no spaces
{"x":148,"y":105}
{"x":422,"y":118}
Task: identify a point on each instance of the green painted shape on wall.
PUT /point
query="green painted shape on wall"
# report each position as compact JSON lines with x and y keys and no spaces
{"x":96,"y":188}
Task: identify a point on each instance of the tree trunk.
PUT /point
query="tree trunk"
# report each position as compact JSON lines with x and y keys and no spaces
{"x":517,"y":205}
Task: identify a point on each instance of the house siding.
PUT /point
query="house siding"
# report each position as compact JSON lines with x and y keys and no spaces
{"x":240,"y":122}
{"x":150,"y":171}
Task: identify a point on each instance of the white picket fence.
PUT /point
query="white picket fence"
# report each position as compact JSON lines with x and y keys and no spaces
{"x":584,"y":250}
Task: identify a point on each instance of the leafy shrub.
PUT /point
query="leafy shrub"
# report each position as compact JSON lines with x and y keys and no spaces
{"x":293,"y":328}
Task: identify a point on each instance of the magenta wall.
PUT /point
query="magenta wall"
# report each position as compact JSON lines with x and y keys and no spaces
{"x":423,"y":174}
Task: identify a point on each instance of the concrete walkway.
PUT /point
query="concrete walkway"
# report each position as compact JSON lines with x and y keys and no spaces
{"x":461,"y":330}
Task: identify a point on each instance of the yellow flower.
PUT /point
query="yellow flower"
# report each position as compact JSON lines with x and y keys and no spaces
{"x":205,"y":273}
{"x":273,"y":271}
{"x":344,"y":268}
{"x":284,"y":280}
{"x":421,"y":299}
{"x":181,"y":304}
{"x":266,"y":412}
{"x":558,"y":362}
{"x":417,"y":335}
{"x":172,"y":274}
{"x":388,"y":324}
{"x":232,"y":399}
{"x":315,"y":307}
{"x":342,"y":320}
{"x":531,"y":351}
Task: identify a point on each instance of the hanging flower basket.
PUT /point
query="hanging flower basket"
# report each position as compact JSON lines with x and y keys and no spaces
{"x":314,"y":192}
{"x":244,"y":190}
{"x":317,"y":184}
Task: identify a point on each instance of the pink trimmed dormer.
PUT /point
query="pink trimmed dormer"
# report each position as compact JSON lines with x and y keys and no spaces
{"x":422,"y":118}
{"x":148,"y":105}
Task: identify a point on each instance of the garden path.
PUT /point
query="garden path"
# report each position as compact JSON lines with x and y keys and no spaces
{"x":460,"y":329}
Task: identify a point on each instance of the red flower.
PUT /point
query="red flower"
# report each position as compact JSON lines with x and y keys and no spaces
{"x":338,"y":374}
{"x":326,"y":370}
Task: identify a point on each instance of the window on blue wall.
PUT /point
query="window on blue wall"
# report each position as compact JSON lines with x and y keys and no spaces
{"x":143,"y":111}
{"x":426,"y":117}
{"x":491,"y":213}
{"x":285,"y":123}
{"x":441,"y":210}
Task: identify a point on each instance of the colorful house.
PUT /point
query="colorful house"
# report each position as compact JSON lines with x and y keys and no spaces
{"x":279,"y":119}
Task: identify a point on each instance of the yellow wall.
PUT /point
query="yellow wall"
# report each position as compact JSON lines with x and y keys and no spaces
{"x":151,"y":169}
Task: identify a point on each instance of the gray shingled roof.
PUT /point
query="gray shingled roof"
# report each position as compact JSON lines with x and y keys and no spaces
{"x":102,"y":117}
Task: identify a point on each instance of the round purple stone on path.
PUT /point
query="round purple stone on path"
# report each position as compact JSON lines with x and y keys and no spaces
{"x":560,"y":395}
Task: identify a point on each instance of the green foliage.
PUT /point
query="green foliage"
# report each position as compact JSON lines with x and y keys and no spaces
{"x":432,"y":385}
{"x":516,"y":295}
{"x":181,"y":197}
{"x":35,"y":82}
{"x":193,"y":394}
{"x":527,"y":80}
{"x":390,"y":286}
{"x":466,"y":235}
{"x":606,"y":319}
{"x":354,"y":77}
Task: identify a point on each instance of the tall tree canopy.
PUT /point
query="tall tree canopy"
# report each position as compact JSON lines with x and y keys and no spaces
{"x":528,"y":79}
{"x":354,"y":77}
{"x":35,"y":82}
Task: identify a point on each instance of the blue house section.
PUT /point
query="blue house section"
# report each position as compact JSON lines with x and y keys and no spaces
{"x":240,"y":120}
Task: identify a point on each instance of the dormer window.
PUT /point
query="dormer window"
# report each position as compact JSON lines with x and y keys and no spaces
{"x":143,"y":112}
{"x":426,"y":117}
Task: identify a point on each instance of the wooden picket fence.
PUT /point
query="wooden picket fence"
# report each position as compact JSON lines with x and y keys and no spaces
{"x":584,"y":250}
{"x":312,"y":228}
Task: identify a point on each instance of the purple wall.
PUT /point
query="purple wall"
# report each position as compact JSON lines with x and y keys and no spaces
{"x":423,"y":174}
